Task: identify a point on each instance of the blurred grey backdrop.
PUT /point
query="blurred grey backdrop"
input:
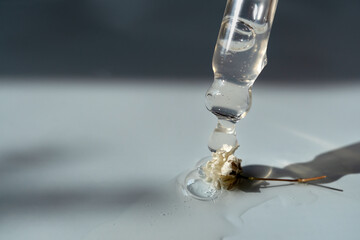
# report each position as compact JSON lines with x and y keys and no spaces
{"x":169,"y":39}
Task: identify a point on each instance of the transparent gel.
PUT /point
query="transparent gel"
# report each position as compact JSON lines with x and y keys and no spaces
{"x":239,"y":57}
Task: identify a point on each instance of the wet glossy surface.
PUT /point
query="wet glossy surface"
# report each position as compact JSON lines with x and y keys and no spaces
{"x":106,"y":161}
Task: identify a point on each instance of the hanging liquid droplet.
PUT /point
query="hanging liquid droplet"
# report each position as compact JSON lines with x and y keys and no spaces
{"x":227,"y":100}
{"x":230,"y":102}
{"x":224,"y":133}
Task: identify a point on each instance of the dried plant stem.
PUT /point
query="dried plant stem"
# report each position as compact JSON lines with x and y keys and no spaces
{"x":301,"y":180}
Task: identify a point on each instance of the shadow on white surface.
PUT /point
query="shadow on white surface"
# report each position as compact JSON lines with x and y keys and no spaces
{"x":333,"y":164}
{"x":28,"y":182}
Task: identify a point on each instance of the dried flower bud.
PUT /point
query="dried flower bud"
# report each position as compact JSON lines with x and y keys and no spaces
{"x":224,"y":169}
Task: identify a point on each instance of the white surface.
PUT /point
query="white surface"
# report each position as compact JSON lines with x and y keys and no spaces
{"x":76,"y":159}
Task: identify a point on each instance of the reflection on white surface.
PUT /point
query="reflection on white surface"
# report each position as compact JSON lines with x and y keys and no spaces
{"x":311,"y":138}
{"x":94,"y":161}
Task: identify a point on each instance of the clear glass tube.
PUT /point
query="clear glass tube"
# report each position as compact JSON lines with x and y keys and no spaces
{"x":239,"y":57}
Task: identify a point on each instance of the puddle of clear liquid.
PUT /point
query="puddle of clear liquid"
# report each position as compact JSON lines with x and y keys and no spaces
{"x":201,"y":190}
{"x":195,"y":185}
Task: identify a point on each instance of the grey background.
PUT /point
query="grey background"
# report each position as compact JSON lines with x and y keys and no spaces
{"x":167,"y":39}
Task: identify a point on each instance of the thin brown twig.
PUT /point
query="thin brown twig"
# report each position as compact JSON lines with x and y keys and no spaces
{"x":301,"y":180}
